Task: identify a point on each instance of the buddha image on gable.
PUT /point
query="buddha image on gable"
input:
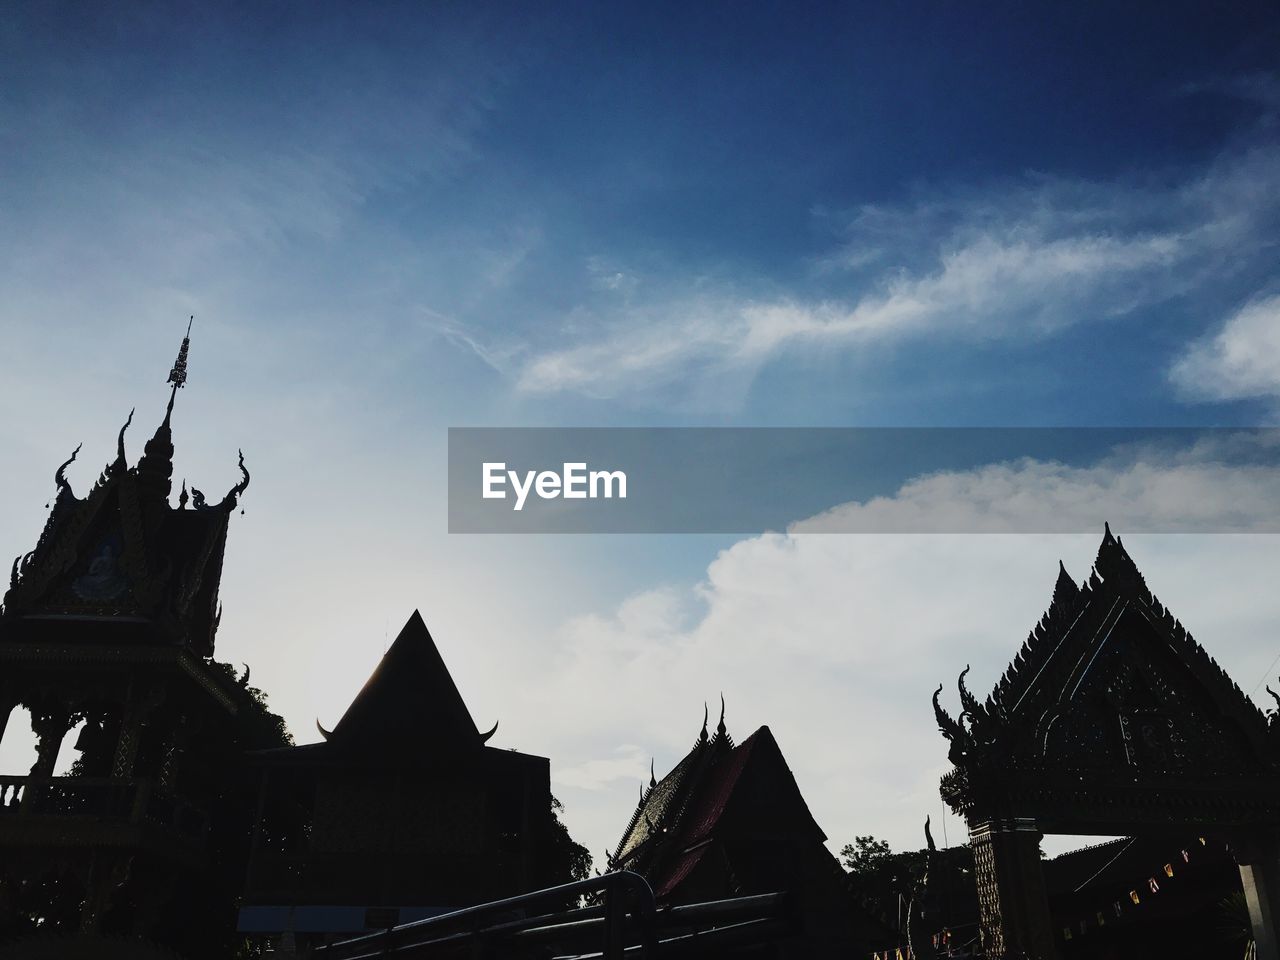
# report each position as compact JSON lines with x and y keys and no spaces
{"x":104,"y":579}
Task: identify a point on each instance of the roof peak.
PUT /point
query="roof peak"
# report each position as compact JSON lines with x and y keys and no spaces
{"x":410,"y":699}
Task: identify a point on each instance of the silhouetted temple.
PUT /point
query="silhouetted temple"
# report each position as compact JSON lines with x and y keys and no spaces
{"x":188,"y":801}
{"x":401,"y":812}
{"x":1111,"y":720}
{"x":110,"y":622}
{"x":729,"y":821}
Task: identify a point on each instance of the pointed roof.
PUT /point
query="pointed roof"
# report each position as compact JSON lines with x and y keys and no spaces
{"x":122,"y":554}
{"x":1107,"y":680}
{"x":1045,"y":659}
{"x":662,"y":807}
{"x":409,"y":702}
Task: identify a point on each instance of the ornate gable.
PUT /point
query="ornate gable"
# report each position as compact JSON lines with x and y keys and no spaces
{"x":121,"y":557}
{"x":1110,"y":689}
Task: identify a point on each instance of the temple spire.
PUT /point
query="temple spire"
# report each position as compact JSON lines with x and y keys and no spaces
{"x":156,"y":466}
{"x":178,"y":375}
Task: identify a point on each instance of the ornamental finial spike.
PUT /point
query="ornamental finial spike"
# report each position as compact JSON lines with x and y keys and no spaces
{"x":178,"y":375}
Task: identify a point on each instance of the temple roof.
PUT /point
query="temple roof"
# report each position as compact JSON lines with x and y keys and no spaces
{"x":409,"y":702}
{"x":1107,"y":680}
{"x":122,"y":557}
{"x":680,"y":816}
{"x":663,"y":805}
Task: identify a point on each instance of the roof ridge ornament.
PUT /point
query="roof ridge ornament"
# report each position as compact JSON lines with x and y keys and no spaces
{"x":120,"y":437}
{"x":722,"y":737}
{"x":60,"y":475}
{"x":1116,"y":568}
{"x":156,"y":466}
{"x":178,"y":374}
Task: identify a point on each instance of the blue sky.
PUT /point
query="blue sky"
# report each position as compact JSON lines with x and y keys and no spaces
{"x":392,"y":219}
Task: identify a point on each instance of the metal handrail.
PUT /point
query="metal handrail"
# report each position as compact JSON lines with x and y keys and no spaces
{"x":402,"y":940}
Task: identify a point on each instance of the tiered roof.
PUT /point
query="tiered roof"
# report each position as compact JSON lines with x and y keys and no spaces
{"x":122,"y":554}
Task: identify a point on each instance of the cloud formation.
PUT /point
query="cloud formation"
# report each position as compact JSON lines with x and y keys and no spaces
{"x":836,"y":642}
{"x":1242,"y":359}
{"x":1011,"y":262}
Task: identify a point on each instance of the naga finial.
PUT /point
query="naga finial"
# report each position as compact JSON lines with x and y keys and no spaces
{"x":243,"y":485}
{"x":323,"y":732}
{"x":60,"y":475}
{"x":653,"y":778}
{"x":967,"y":700}
{"x":702,"y":737}
{"x":120,"y":439}
{"x":720,"y":727}
{"x":948,"y":727}
{"x":485,"y":737}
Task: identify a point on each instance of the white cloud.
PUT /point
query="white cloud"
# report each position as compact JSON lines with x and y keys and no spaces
{"x":836,"y":642}
{"x":1146,"y":494}
{"x":1241,"y":360}
{"x":1018,"y":262}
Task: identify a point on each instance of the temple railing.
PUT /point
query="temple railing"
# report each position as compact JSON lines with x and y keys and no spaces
{"x":620,"y":920}
{"x":100,"y":799}
{"x":626,"y":913}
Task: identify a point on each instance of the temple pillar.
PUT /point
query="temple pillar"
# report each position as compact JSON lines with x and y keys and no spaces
{"x":1013,"y":902}
{"x":50,"y":726}
{"x":1259,"y":861}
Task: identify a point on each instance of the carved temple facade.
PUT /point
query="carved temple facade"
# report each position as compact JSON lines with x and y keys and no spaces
{"x":1111,"y":720}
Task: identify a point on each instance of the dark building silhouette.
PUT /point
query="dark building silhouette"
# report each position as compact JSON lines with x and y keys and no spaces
{"x":402,"y":812}
{"x":1112,"y":720}
{"x":729,"y":821}
{"x":111,"y":620}
{"x":1122,"y":899}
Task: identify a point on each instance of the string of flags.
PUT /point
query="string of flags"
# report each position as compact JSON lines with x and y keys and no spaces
{"x":1141,"y":892}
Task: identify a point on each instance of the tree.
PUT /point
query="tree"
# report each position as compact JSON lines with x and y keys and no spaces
{"x":566,"y":859}
{"x":864,"y":855}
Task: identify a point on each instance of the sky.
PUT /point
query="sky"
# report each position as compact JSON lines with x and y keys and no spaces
{"x":394,"y":219}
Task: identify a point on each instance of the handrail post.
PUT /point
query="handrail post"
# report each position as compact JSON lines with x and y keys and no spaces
{"x":613,"y":915}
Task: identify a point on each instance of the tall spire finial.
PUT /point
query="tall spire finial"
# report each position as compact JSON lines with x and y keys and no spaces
{"x":156,"y":466}
{"x":178,"y":375}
